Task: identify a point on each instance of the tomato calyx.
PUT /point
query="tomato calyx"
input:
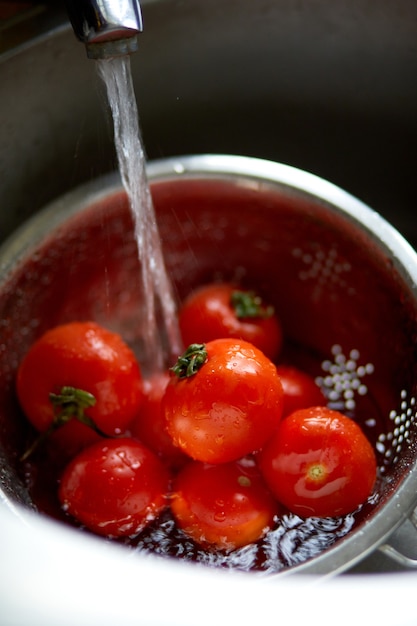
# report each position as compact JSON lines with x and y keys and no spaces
{"x":72,"y":402}
{"x":190,"y":361}
{"x":248,"y":304}
{"x":69,"y":404}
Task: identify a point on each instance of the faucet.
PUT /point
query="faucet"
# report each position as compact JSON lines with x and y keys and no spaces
{"x":108,"y":28}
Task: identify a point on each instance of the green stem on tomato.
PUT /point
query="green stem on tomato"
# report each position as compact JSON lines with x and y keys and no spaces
{"x":191,"y":361}
{"x":69,"y":404}
{"x":72,"y":402}
{"x":249,"y":304}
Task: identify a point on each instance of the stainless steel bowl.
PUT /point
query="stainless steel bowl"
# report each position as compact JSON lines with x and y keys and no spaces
{"x":337,"y":272}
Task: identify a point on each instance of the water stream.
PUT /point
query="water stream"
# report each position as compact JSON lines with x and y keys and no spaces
{"x":161,"y":337}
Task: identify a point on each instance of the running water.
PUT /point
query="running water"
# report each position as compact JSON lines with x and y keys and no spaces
{"x":161,"y":337}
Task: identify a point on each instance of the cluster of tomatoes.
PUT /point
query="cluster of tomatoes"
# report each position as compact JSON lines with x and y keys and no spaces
{"x":227,"y":438}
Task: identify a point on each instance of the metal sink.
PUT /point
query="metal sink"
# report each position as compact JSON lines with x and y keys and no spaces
{"x":327,"y":87}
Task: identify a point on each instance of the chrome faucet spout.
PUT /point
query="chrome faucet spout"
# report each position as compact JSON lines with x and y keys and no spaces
{"x":107,"y":27}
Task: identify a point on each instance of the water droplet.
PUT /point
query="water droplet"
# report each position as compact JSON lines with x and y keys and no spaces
{"x":179,"y":168}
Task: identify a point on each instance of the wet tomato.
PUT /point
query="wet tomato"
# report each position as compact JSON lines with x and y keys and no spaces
{"x":82,"y":370}
{"x":223,"y":401}
{"x":300,"y":389}
{"x":115,"y":488}
{"x":225,"y":310}
{"x":319,"y":463}
{"x":226,"y":506}
{"x":69,"y":439}
{"x":149,"y":425}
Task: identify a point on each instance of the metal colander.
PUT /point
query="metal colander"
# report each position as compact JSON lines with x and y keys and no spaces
{"x":343,"y":283}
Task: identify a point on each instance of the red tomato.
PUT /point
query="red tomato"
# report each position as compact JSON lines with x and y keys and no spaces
{"x":224,"y":310}
{"x":224,"y":400}
{"x":89,"y":370}
{"x":149,"y":425}
{"x":70,"y":438}
{"x":226,"y":505}
{"x":300,"y":389}
{"x":115,"y":487}
{"x":319,"y":463}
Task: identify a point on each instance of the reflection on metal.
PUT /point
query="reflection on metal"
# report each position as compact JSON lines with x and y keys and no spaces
{"x":107,"y":27}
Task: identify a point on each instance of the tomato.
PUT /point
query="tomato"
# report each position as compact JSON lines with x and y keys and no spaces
{"x":149,"y":425}
{"x":70,"y":438}
{"x":223,"y":401}
{"x":319,"y":463}
{"x":225,"y":310}
{"x":115,"y":488}
{"x":80,"y":369}
{"x":226,"y":506}
{"x":300,"y":389}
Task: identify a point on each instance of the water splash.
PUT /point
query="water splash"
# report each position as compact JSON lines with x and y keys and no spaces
{"x":161,"y":337}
